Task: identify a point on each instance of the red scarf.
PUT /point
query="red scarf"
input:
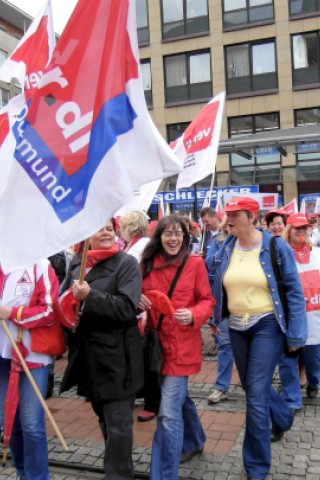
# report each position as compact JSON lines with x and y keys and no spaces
{"x":96,"y":256}
{"x":302,"y":253}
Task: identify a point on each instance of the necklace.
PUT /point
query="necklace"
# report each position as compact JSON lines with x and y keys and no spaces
{"x":242,"y":251}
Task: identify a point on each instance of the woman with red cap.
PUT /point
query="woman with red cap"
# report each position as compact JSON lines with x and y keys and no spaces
{"x":245,"y":289}
{"x":307,"y":259}
{"x":276,"y":221}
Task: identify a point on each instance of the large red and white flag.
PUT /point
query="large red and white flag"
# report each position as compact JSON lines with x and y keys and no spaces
{"x":85,"y":143}
{"x":291,"y":207}
{"x":198,"y":146}
{"x":26,"y":64}
{"x":32,"y":54}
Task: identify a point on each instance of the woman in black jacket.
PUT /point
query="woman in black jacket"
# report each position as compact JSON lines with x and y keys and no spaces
{"x":105,"y":354}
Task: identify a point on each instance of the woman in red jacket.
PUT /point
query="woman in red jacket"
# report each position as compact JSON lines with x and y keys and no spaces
{"x":179,"y":435}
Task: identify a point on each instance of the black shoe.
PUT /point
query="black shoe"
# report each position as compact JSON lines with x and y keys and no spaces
{"x":186,"y":456}
{"x":276,"y":435}
{"x":254,"y":478}
{"x":312,"y":392}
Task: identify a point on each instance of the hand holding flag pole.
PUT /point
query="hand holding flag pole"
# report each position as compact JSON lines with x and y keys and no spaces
{"x":82,"y":275}
{"x":34,"y":385}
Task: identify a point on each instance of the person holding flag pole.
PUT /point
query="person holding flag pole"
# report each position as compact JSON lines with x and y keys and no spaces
{"x":27,"y":311}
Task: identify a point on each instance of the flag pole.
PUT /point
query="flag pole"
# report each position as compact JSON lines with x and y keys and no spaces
{"x":209,"y":196}
{"x":34,"y":385}
{"x":83,"y":265}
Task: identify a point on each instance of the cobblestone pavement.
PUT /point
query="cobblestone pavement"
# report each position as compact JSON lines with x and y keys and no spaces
{"x":295,"y":457}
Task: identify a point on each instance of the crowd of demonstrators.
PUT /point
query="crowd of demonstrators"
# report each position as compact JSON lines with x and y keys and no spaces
{"x":307,"y":258}
{"x":179,"y":434}
{"x":222,"y":338}
{"x":27,"y":304}
{"x":105,"y":353}
{"x":247,"y":295}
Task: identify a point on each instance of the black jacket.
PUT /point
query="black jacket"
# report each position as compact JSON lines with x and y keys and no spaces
{"x":105,"y":353}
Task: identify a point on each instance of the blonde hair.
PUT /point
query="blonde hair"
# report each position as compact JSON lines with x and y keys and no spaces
{"x":286,"y":235}
{"x":133,"y":224}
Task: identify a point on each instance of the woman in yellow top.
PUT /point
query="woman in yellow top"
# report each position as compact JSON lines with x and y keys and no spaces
{"x":246,"y":292}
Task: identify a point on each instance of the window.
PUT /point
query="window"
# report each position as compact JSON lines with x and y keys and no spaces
{"x":264,"y":165}
{"x":175,"y":130}
{"x":303,"y":7}
{"x":244,"y":12}
{"x":251,"y":67}
{"x":188,"y":77}
{"x":304,"y":118}
{"x":306,"y":58}
{"x":142,"y":22}
{"x":3,"y":56}
{"x":4,"y":97}
{"x":147,"y":82}
{"x":184,"y":17}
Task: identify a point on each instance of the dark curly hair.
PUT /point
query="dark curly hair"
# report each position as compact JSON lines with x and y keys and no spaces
{"x":155,"y":244}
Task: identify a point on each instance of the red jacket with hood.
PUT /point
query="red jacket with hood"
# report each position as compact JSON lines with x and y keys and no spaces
{"x":181,"y":344}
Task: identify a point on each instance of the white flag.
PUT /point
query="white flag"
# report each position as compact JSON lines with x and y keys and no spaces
{"x":198,"y":147}
{"x":85,"y":143}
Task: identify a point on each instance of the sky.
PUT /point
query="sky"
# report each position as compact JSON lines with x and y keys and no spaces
{"x":61,"y":9}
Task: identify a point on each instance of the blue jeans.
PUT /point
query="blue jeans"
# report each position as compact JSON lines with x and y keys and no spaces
{"x":29,"y":440}
{"x":310,"y":357}
{"x":290,"y":383}
{"x":224,"y":358}
{"x":256,"y":353}
{"x":178,"y":429}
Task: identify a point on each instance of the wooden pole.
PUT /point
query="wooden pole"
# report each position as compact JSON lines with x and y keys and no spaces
{"x":34,"y":385}
{"x":82,"y":274}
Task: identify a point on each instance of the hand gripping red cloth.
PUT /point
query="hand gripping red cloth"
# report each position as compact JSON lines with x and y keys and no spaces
{"x":160,"y":301}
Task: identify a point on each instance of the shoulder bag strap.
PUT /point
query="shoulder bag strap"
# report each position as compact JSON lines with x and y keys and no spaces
{"x":173,"y":285}
{"x":278,"y":276}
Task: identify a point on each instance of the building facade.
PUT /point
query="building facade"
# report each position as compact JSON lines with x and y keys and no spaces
{"x":264,"y":53}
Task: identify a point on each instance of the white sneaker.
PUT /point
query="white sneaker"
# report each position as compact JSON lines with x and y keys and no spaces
{"x":217,"y":395}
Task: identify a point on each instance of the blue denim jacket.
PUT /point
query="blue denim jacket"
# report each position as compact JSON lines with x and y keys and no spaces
{"x":297,"y":321}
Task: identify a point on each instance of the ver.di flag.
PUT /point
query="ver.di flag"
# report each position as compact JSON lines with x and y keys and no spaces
{"x":30,"y":57}
{"x":26,"y":64}
{"x":198,"y":146}
{"x":85,"y":142}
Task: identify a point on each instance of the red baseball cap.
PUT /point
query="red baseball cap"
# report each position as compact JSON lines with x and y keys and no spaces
{"x":274,"y":212}
{"x":242,"y":203}
{"x":298,"y":220}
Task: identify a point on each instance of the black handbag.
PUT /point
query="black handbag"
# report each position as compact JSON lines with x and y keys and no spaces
{"x":152,"y":350}
{"x":282,"y":294}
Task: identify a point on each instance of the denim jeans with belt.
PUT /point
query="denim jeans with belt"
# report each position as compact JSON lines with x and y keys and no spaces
{"x":224,"y":358}
{"x":256,"y":353}
{"x":28,"y":443}
{"x":178,"y":429}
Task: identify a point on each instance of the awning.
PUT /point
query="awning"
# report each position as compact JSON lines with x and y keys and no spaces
{"x":289,"y":140}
